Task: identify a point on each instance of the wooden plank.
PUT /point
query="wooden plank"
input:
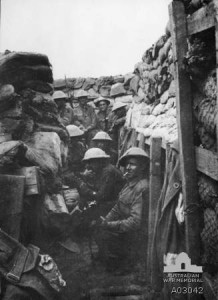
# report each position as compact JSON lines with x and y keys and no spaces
{"x":148,"y":142}
{"x":201,"y":20}
{"x":207,"y":162}
{"x":134,"y":138}
{"x":142,"y":141}
{"x":154,"y":194}
{"x":185,"y":130}
{"x":11,"y":201}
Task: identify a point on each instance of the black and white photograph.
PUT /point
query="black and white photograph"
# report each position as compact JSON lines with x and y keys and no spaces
{"x":108,"y":150}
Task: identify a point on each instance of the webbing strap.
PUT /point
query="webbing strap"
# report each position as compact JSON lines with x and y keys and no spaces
{"x":16,"y":271}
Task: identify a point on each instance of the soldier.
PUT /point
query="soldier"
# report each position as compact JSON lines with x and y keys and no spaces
{"x":119,"y":230}
{"x":103,"y":141}
{"x":107,"y":179}
{"x":119,"y":118}
{"x":64,"y":109}
{"x":101,"y":181}
{"x":76,"y":149}
{"x":103,"y":115}
{"x":85,"y":116}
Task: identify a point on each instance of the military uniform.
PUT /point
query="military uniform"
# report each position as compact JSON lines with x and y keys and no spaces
{"x":108,"y":184}
{"x":85,"y":118}
{"x":66,"y":115}
{"x":104,"y":187}
{"x":117,"y":130}
{"x":120,"y":237}
{"x":104,"y":120}
{"x":76,"y":153}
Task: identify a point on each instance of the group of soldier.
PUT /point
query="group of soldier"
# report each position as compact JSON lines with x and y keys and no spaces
{"x":115,"y":186}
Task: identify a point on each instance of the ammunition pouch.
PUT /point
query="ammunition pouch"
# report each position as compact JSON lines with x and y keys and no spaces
{"x":20,"y":266}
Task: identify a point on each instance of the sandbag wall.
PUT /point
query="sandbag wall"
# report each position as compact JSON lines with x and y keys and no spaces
{"x":115,"y":87}
{"x":153,"y":111}
{"x":31,"y":135}
{"x":200,"y":64}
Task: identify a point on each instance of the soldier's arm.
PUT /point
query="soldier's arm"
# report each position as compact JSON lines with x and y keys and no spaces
{"x":93,"y":118}
{"x":113,"y":215}
{"x":133,"y":222}
{"x":84,"y":190}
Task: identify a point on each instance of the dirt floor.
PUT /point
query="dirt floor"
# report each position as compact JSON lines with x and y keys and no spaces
{"x":88,"y":279}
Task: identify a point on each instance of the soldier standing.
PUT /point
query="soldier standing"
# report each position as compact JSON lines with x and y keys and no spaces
{"x":64,"y":109}
{"x":103,"y":115}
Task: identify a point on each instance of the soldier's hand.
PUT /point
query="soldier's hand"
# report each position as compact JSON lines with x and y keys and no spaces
{"x":88,"y":173}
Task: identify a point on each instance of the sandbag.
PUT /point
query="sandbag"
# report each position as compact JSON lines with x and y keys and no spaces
{"x":38,"y":86}
{"x":17,"y":59}
{"x":207,"y":140}
{"x":104,"y":80}
{"x":206,"y":114}
{"x":134,"y":83}
{"x":208,"y":191}
{"x":44,"y":151}
{"x":146,"y":121}
{"x":18,"y":76}
{"x":8,"y":98}
{"x":88,"y":84}
{"x":105,"y":90}
{"x":158,"y":45}
{"x":117,"y":89}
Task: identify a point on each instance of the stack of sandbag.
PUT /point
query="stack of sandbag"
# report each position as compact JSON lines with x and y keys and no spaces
{"x":26,"y":70}
{"x":31,"y":135}
{"x":208,"y":191}
{"x":26,"y":104}
{"x":193,"y":5}
{"x":153,"y":109}
{"x":200,"y":64}
{"x":115,"y":87}
{"x":29,"y":116}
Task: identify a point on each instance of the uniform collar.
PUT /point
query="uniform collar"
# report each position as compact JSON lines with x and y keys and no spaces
{"x":133,"y":182}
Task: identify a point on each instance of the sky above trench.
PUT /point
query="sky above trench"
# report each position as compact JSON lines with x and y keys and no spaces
{"x":84,"y":38}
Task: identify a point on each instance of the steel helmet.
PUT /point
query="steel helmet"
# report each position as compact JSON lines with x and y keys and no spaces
{"x":82,"y":94}
{"x":118,"y":105}
{"x":132,"y":152}
{"x":98,"y":100}
{"x":59,"y":95}
{"x":102,"y":135}
{"x":94,"y":153}
{"x":74,"y":131}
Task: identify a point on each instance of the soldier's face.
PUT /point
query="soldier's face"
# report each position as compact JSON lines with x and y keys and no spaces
{"x":93,"y":165}
{"x":60,"y":103}
{"x":83,"y":101}
{"x":102,"y":106}
{"x":101,"y":145}
{"x":120,"y":112}
{"x":132,"y":168}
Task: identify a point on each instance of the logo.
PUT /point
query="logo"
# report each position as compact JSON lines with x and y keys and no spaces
{"x":182,"y":277}
{"x":183,"y":264}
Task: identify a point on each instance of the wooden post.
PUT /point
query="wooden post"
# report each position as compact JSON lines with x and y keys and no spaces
{"x":142,"y":141}
{"x":154,"y":194}
{"x":185,"y":130}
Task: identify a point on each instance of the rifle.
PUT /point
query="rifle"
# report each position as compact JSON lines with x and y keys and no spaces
{"x":68,"y":91}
